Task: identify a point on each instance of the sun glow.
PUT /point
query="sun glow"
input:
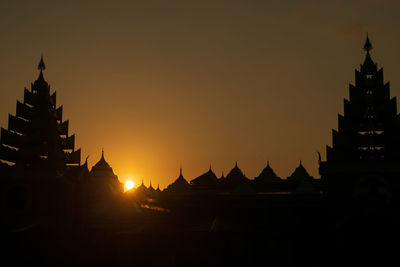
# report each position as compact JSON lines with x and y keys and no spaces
{"x":129,"y":185}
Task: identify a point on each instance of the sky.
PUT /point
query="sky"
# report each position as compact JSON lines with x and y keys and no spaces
{"x":161,"y":85}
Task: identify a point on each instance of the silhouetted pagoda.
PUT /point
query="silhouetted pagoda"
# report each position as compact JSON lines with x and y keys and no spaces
{"x":103,"y":178}
{"x":206,"y":181}
{"x":103,"y":192}
{"x":235,"y":178}
{"x":41,"y":184}
{"x":180,"y":185}
{"x":37,"y":135}
{"x":362,"y":166}
{"x":267,"y":180}
{"x":300,"y":174}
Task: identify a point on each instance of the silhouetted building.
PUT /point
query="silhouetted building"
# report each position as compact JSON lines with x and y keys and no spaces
{"x":362,"y":167}
{"x":235,"y":179}
{"x":267,"y":175}
{"x":102,"y":176}
{"x":37,"y":135}
{"x":103,"y":193}
{"x":207,"y":181}
{"x":158,"y":190}
{"x":142,"y":189}
{"x":151,"y":191}
{"x":267,"y":180}
{"x":179,"y":186}
{"x":301,"y":182}
{"x":42,"y":180}
{"x":300,"y":174}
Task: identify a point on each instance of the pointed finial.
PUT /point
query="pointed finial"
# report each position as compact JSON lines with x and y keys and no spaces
{"x":267,"y":163}
{"x":142,"y":182}
{"x":41,"y":65}
{"x":300,"y":163}
{"x":102,"y":154}
{"x":236,"y":164}
{"x":210,"y":168}
{"x":367,"y":45}
{"x":180,"y":171}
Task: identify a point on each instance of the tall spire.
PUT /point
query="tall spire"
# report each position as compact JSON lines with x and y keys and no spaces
{"x":102,"y":154}
{"x":368,"y":66}
{"x":180,"y":171}
{"x":367,"y":45}
{"x":41,"y":65}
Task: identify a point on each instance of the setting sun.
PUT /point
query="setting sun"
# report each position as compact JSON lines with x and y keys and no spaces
{"x":129,"y":185}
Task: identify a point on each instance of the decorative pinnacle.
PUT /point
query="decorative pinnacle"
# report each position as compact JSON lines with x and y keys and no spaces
{"x":41,"y":65}
{"x":367,"y":45}
{"x":180,"y":171}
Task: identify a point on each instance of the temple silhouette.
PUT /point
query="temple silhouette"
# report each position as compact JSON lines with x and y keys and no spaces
{"x":57,"y":211}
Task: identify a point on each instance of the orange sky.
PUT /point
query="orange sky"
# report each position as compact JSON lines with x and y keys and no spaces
{"x":168,"y":83}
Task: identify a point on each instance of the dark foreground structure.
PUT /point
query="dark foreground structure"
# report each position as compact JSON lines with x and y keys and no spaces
{"x":55,"y":211}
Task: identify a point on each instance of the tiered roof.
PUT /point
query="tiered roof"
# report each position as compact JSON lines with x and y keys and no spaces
{"x":102,"y":169}
{"x":37,"y":134}
{"x":180,"y":185}
{"x":207,"y":179}
{"x":267,"y":174}
{"x":151,"y":189}
{"x":300,"y":174}
{"x":369,"y":130}
{"x":235,"y":176}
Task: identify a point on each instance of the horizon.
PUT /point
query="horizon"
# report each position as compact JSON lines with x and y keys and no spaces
{"x":160,"y":87}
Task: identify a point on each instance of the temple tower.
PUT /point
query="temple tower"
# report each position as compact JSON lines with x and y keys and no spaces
{"x":41,"y":183}
{"x":37,"y":135}
{"x":362,"y":167}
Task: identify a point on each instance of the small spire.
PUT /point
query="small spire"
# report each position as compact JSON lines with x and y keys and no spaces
{"x":300,"y":163}
{"x":41,"y":65}
{"x":236,"y":164}
{"x":180,"y":171}
{"x":367,"y":45}
{"x":102,"y":154}
{"x":142,"y":182}
{"x":267,"y":163}
{"x":210,"y":168}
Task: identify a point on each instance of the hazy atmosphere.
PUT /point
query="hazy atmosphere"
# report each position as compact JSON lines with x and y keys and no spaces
{"x":164,"y":84}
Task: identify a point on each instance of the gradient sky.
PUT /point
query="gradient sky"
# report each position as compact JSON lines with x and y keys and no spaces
{"x":159,"y":84}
